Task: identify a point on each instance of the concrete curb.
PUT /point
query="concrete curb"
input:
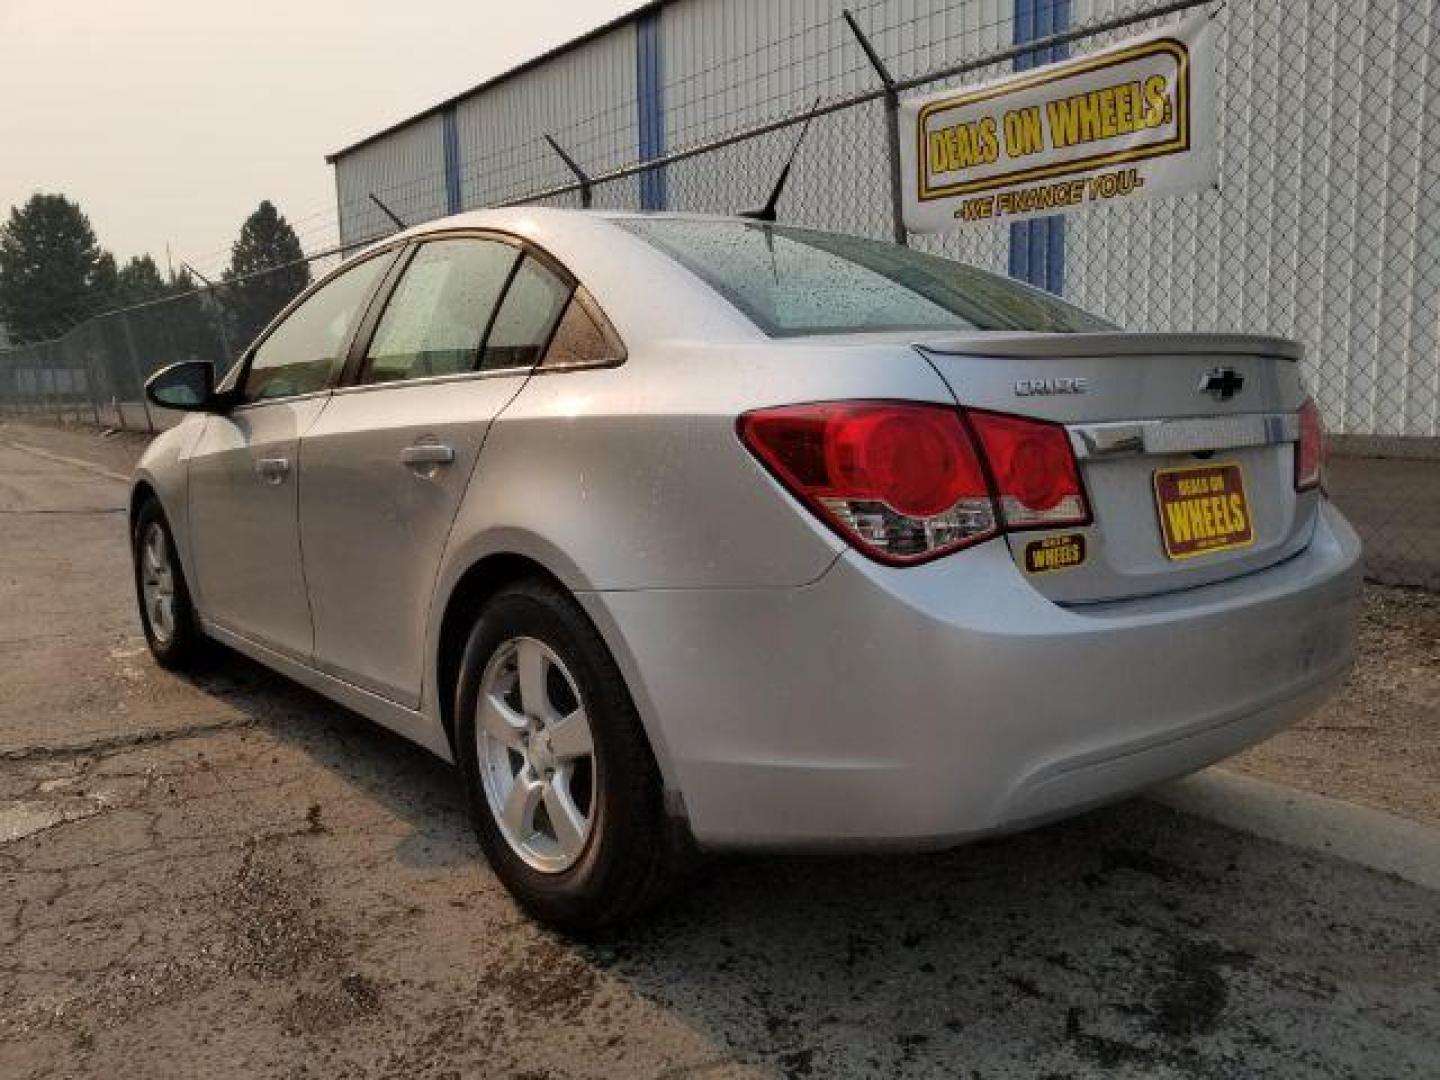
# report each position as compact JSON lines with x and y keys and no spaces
{"x":1371,"y":838}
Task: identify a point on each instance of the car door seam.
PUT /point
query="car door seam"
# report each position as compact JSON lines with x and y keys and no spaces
{"x":311,"y":658}
{"x":425,"y":659}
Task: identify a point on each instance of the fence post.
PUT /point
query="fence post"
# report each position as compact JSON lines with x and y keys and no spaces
{"x":54,"y":389}
{"x":892,"y":129}
{"x":90,"y":383}
{"x":135,"y":369}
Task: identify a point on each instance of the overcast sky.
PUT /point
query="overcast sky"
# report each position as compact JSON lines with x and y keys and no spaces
{"x":169,"y":120}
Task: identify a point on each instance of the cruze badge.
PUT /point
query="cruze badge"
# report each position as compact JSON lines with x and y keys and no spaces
{"x":1062,"y":385}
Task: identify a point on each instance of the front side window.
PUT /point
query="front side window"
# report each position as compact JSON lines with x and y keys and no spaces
{"x":304,"y":352}
{"x":435,"y":321}
{"x":800,"y":281}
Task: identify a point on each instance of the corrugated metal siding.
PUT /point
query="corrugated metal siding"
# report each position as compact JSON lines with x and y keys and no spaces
{"x":1326,"y":225}
{"x":585,"y":98}
{"x":406,"y":170}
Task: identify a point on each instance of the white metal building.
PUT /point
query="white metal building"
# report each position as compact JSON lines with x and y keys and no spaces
{"x":1326,"y":225}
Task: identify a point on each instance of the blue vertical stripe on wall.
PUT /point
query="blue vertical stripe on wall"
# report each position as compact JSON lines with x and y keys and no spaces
{"x":450,"y":141}
{"x":1037,"y":246}
{"x":649,"y":72}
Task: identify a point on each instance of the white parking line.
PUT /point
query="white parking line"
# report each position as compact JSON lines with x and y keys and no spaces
{"x":88,"y":466}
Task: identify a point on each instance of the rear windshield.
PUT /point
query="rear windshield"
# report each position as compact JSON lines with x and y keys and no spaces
{"x":799,"y":281}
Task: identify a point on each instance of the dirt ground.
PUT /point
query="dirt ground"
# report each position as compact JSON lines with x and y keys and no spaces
{"x":1378,"y":742}
{"x":226,"y":875}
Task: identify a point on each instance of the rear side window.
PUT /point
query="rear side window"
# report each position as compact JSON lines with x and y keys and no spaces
{"x":800,"y":281}
{"x":434,"y":323}
{"x":527,"y":316}
{"x":584,"y":337}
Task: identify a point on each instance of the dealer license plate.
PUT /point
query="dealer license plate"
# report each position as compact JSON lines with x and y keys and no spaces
{"x":1202,"y":510}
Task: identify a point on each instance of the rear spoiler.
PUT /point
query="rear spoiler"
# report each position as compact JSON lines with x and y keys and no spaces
{"x":1070,"y":346}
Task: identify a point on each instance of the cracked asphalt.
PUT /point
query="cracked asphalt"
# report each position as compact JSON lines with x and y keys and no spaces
{"x":228,"y":876}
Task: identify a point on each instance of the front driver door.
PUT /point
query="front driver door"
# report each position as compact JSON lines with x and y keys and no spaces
{"x":244,"y":509}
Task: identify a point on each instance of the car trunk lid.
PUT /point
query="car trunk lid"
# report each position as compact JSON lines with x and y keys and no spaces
{"x":1185,"y":442}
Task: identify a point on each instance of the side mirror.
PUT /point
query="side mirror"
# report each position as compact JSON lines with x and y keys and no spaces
{"x":188,"y":387}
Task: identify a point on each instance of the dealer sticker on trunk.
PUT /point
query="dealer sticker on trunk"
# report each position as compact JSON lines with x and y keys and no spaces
{"x":1202,"y":510}
{"x":1055,"y":553}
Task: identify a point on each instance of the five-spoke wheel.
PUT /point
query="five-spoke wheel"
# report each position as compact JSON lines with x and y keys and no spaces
{"x":563,"y":788}
{"x":157,"y":582}
{"x":537,"y":755}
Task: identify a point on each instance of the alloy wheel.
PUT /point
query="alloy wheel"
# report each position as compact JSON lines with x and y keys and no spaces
{"x":536,"y":754}
{"x":157,"y":583}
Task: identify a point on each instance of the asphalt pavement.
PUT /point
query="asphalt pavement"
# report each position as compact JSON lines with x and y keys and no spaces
{"x":226,"y":875}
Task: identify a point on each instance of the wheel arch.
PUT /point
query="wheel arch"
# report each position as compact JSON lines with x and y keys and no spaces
{"x":481,"y":579}
{"x":140,"y":493}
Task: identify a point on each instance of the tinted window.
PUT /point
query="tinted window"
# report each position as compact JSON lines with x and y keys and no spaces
{"x":526,"y":317}
{"x":436,"y":317}
{"x":304,"y":351}
{"x":583,"y":338}
{"x":798,"y":281}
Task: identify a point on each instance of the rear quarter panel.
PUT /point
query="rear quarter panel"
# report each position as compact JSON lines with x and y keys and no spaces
{"x":634,"y":477}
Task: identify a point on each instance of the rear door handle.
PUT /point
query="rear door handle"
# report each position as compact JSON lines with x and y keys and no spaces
{"x":273,"y":469}
{"x":427,"y":455}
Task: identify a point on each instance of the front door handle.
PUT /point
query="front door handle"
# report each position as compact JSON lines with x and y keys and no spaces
{"x":427,"y":454}
{"x":273,"y":469}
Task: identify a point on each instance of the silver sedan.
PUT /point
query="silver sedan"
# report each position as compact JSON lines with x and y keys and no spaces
{"x":681,"y":532}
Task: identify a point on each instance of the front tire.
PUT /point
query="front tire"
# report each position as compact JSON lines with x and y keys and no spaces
{"x":563,"y":790}
{"x":166,"y":614}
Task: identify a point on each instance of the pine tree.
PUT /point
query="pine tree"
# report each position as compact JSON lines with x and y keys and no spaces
{"x":139,"y":281}
{"x":266,"y":271}
{"x":52,"y":271}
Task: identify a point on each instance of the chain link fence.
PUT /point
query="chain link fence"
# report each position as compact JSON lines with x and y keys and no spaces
{"x":96,"y":372}
{"x":1325,"y":227}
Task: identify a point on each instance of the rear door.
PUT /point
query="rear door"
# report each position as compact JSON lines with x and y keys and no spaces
{"x":385,"y":467}
{"x":244,"y":513}
{"x":1186,"y":447}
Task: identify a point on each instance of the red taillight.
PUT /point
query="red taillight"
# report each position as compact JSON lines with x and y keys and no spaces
{"x":1036,"y":478}
{"x":1310,"y":450}
{"x":907,"y":482}
{"x":901,"y":482}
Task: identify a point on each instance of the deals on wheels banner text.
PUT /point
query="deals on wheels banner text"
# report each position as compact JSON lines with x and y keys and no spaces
{"x":1135,"y":120}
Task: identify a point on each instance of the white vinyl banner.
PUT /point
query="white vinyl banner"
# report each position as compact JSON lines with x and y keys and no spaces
{"x":1135,"y":120}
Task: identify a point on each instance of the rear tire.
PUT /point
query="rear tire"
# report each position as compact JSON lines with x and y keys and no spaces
{"x":166,"y":614}
{"x":572,"y":819}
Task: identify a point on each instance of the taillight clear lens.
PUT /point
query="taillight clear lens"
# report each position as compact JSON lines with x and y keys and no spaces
{"x":1037,"y":481}
{"x":1310,"y":450}
{"x":902,"y":482}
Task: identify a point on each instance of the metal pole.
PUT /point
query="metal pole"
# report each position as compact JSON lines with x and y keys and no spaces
{"x":135,"y":368}
{"x":90,"y":382}
{"x":399,"y":225}
{"x":53,"y":381}
{"x":221,"y":318}
{"x":892,"y":129}
{"x":580,"y":176}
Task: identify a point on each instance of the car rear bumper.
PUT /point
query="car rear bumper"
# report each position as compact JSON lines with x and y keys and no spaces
{"x":924,"y":705}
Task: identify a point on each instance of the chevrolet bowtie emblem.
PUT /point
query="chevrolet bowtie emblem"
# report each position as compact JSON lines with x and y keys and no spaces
{"x":1221,"y":383}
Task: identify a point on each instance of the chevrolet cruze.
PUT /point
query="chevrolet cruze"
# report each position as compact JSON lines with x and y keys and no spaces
{"x":680,"y":532}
